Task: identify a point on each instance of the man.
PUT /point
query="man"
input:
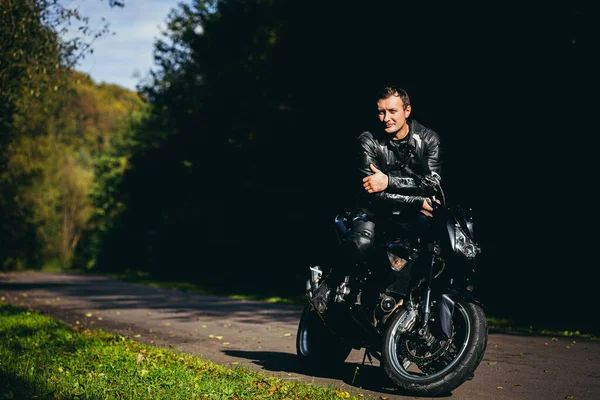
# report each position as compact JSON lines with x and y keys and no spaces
{"x":396,"y":165}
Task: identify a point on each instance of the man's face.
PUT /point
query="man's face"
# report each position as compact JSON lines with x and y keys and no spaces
{"x":392,"y":114}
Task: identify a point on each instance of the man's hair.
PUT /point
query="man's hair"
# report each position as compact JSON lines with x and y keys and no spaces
{"x":390,"y":91}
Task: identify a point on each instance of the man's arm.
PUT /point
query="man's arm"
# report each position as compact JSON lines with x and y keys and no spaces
{"x":374,"y":181}
{"x":378,"y":182}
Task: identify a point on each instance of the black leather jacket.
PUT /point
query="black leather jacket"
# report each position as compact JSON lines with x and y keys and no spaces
{"x":420,"y":151}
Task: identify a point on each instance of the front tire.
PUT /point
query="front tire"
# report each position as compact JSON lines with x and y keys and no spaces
{"x":434,"y":369}
{"x":316,"y":345}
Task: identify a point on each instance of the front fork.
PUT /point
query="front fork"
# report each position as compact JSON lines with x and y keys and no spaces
{"x":424,"y":329}
{"x":446,"y":306}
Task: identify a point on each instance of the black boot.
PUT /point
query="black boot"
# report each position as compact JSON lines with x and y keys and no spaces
{"x":320,"y":297}
{"x":326,"y":291}
{"x":346,"y":259}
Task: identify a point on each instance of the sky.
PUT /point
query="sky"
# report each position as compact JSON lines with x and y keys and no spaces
{"x":118,"y":58}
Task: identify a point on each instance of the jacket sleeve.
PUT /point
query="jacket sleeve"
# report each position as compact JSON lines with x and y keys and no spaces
{"x":431,"y":163}
{"x":405,"y":194}
{"x":433,"y":155}
{"x":403,"y":185}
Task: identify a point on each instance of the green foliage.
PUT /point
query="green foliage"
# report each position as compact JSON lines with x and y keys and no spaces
{"x":110,"y":166}
{"x":30,"y":69}
{"x":53,"y":122}
{"x":53,"y":160}
{"x":33,"y":57}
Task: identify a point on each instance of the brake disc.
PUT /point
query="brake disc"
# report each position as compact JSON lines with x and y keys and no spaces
{"x":417,"y":350}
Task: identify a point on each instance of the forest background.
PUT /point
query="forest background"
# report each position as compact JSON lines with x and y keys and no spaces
{"x":227,"y":165}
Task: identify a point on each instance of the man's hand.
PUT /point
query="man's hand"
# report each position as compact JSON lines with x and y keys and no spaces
{"x":377,"y":182}
{"x":426,"y":207}
{"x":429,"y":184}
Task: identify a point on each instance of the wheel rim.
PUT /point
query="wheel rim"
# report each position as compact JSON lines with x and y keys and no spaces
{"x":407,"y":358}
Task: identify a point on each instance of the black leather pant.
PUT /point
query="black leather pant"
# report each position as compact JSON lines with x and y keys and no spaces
{"x":359,"y":244}
{"x":355,"y":247}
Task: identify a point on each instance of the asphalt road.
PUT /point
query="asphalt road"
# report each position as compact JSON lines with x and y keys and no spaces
{"x":261,"y":336}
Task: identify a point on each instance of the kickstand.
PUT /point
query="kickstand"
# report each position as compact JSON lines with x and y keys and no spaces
{"x":367,"y":354}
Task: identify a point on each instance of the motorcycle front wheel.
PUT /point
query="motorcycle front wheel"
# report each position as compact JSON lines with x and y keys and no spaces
{"x":438,"y":366}
{"x":316,"y":345}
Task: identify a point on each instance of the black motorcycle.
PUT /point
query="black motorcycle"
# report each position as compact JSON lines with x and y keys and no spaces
{"x":428,"y":339}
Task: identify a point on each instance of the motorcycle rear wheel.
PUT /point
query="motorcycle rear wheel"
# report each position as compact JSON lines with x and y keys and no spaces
{"x":316,"y":346}
{"x":434,"y":370}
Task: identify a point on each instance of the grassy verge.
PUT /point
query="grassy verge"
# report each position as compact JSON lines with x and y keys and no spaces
{"x":145,"y":279}
{"x":495,"y":324}
{"x":41,"y":358}
{"x":507,"y":325}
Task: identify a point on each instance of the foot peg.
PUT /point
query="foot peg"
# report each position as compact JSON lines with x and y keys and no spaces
{"x":342,"y":290}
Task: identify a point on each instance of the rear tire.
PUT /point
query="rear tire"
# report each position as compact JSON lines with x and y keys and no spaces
{"x":316,"y":345}
{"x":456,"y":363}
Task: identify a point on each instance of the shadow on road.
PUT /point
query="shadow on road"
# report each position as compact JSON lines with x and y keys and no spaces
{"x":113,"y":294}
{"x":360,"y":376}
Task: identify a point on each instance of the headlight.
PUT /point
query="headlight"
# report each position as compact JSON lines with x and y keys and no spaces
{"x":464,"y":245}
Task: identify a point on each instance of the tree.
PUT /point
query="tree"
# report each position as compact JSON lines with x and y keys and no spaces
{"x":35,"y":63}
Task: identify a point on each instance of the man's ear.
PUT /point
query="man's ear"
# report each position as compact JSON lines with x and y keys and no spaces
{"x":407,"y":111}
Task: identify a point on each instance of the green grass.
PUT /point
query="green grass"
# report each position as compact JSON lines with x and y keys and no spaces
{"x":42,"y":358}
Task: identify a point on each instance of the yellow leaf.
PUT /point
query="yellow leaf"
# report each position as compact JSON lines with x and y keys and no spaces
{"x":89,"y":315}
{"x":287,"y":334}
{"x":225,"y":343}
{"x":211,"y":336}
{"x":219,"y":337}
